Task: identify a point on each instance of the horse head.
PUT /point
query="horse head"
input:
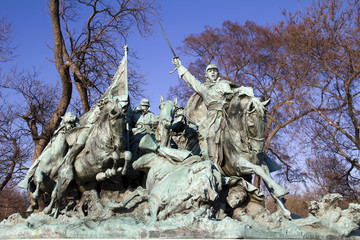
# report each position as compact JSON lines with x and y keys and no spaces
{"x":166,"y":117}
{"x":167,"y":112}
{"x":255,"y":120}
{"x":247,"y":115}
{"x":112,"y":122}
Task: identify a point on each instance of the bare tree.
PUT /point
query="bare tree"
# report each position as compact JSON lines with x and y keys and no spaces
{"x":87,"y":56}
{"x":13,"y":201}
{"x":330,"y":41}
{"x":23,"y":97}
{"x":14,"y":151}
{"x":309,"y":66}
{"x":6,"y":46}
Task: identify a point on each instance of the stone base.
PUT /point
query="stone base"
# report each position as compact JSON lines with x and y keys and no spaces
{"x":39,"y":225}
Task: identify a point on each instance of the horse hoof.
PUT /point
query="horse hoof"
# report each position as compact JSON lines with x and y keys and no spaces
{"x":287,"y":214}
{"x":100,"y":176}
{"x":110,"y":172}
{"x":30,"y":209}
{"x":23,"y":184}
{"x":280,"y":191}
{"x":47,"y":210}
{"x":128,"y":155}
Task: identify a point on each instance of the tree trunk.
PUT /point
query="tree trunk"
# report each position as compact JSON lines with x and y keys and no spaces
{"x":65,"y":81}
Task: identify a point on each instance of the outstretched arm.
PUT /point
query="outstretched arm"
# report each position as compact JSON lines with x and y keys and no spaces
{"x":190,"y":80}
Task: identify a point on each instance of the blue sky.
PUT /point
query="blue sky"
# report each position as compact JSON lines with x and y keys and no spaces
{"x":33,"y":35}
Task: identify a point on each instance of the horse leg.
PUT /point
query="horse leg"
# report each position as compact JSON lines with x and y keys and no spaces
{"x":114,"y":169}
{"x":66,"y":175}
{"x":127,"y":158}
{"x":110,"y":172}
{"x":56,"y":214}
{"x":79,"y":206}
{"x":154,"y":206}
{"x":140,"y":191}
{"x":281,"y":206}
{"x":64,"y":179}
{"x":279,"y":202}
{"x":48,"y":209}
{"x":247,"y":167}
{"x":39,"y":178}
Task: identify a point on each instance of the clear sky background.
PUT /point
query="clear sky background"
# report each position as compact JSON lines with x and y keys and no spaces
{"x":31,"y":26}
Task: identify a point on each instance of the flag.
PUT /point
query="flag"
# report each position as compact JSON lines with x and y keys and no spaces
{"x":118,"y":89}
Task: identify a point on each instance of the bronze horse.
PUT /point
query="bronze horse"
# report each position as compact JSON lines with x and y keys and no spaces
{"x":243,"y":140}
{"x":166,"y":117}
{"x":100,"y":156}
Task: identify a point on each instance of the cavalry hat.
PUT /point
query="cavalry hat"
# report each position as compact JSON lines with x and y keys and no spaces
{"x":145,"y":102}
{"x":211,"y":66}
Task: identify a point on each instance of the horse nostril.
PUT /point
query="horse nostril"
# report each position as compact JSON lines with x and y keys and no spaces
{"x":115,"y":112}
{"x":167,"y":123}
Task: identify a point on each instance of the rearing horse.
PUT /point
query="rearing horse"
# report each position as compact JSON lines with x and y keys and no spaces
{"x":100,"y":153}
{"x":244,"y":144}
{"x":243,"y":139}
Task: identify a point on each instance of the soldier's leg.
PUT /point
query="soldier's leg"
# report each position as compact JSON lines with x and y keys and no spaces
{"x":76,"y":148}
{"x":66,"y":171}
{"x":213,"y":149}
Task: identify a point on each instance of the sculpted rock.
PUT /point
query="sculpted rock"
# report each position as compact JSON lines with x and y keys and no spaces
{"x":331,"y":215}
{"x":189,"y":184}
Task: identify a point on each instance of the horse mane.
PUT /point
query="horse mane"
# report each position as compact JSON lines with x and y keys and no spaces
{"x":235,"y":128}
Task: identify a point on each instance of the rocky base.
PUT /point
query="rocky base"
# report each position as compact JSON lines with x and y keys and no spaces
{"x":39,"y":225}
{"x":325,"y":221}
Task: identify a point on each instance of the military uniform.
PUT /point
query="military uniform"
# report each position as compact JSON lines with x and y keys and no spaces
{"x":216,"y":96}
{"x":141,"y":123}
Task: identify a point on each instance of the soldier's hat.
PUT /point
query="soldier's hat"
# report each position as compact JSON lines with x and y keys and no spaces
{"x":145,"y":102}
{"x":211,"y":66}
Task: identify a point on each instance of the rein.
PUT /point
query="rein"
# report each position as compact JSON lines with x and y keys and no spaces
{"x":246,"y":114}
{"x":112,"y":134}
{"x":247,"y":138}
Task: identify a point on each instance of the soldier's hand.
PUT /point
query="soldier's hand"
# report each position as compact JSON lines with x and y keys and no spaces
{"x":176,"y":61}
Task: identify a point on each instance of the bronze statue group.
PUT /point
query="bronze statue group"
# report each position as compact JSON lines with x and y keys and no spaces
{"x":198,"y":158}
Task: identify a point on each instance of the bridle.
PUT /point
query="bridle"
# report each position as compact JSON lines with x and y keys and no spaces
{"x":112,"y":134}
{"x":248,"y":136}
{"x":165,"y":121}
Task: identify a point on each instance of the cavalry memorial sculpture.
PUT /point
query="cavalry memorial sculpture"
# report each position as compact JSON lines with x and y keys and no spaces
{"x":118,"y":172}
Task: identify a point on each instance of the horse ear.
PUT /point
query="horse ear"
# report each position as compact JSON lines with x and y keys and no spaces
{"x":161,"y":98}
{"x":250,"y":106}
{"x":266,"y":103}
{"x":175,"y":101}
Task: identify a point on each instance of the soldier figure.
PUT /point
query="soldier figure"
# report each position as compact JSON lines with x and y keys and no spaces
{"x":185,"y":133}
{"x":141,"y":123}
{"x":56,"y":147}
{"x":216,"y":94}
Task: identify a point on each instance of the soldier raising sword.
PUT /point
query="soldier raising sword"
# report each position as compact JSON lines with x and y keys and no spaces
{"x":216,"y":94}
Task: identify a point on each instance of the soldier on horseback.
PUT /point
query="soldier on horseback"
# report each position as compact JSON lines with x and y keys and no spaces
{"x":215,"y":93}
{"x":68,"y":122}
